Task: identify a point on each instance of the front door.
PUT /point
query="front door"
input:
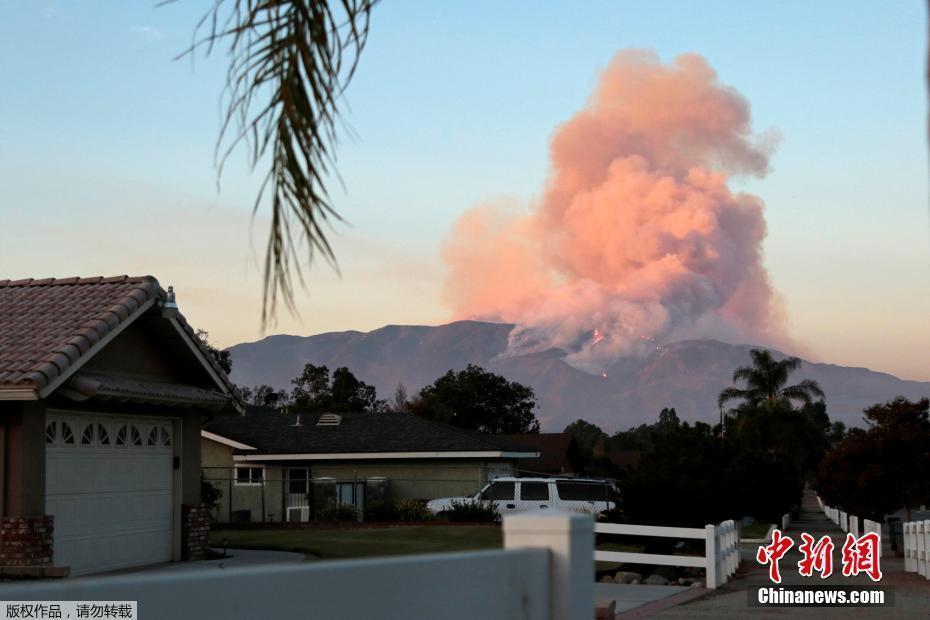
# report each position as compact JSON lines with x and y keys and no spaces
{"x":297,"y":498}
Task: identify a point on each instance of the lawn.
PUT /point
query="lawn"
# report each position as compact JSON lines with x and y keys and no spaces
{"x":755,"y":530}
{"x":332,"y":544}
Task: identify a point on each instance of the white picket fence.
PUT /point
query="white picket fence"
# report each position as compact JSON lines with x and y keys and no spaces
{"x":544,"y":572}
{"x":851,"y":523}
{"x":785,"y":521}
{"x":721,"y":548}
{"x":916,"y":547}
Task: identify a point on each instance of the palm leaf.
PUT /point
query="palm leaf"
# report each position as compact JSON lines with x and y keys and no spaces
{"x":290,"y":62}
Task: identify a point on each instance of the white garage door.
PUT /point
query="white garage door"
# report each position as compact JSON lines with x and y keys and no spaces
{"x":109,"y":485}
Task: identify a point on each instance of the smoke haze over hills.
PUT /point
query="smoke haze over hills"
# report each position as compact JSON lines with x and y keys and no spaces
{"x":687,"y":375}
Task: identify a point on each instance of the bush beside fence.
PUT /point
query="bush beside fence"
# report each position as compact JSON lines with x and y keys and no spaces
{"x":721,"y":548}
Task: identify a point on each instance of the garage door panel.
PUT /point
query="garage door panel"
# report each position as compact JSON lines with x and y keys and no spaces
{"x":113,"y":502}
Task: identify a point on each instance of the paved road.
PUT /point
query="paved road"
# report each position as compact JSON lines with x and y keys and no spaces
{"x":237,"y":558}
{"x":911,"y":592}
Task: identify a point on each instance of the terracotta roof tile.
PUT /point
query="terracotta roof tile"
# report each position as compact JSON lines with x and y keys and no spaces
{"x":47,"y":325}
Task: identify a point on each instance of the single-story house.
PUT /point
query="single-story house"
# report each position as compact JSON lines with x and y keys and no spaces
{"x":274,"y":466}
{"x":103,"y":388}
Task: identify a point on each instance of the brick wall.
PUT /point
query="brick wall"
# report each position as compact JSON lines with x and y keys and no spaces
{"x":195,"y":532}
{"x":26,"y":541}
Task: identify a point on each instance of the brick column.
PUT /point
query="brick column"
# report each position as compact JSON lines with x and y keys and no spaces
{"x":195,"y":531}
{"x":26,"y":541}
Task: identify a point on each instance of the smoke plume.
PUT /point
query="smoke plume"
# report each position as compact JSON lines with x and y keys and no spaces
{"x":637,"y":238}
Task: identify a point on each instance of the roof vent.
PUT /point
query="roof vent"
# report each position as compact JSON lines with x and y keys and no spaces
{"x":329,"y":419}
{"x":169,"y":307}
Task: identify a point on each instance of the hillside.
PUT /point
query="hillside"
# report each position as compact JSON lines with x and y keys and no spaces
{"x":686,"y":375}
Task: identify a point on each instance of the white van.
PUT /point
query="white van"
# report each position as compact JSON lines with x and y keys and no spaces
{"x":512,"y":495}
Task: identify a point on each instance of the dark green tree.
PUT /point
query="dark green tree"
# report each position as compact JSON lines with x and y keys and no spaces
{"x":586,"y":435}
{"x":480,"y":401}
{"x":883,"y":468}
{"x":222,"y":357}
{"x":315,"y":392}
{"x":668,"y":418}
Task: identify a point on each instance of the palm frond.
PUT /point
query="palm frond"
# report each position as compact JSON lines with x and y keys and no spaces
{"x":731,"y":393}
{"x":744,"y":373}
{"x":290,"y":62}
{"x":804,"y":390}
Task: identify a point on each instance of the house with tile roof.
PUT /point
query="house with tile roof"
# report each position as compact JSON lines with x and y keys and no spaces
{"x":103,"y":390}
{"x":274,"y":466}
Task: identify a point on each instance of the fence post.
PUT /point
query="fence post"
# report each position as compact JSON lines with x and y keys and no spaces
{"x":569,"y":537}
{"x":710,"y":556}
{"x":734,"y":548}
{"x":926,"y":548}
{"x":921,"y":530}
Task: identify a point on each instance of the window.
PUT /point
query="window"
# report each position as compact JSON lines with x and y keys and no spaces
{"x":87,"y":437}
{"x":499,"y":490}
{"x":583,"y":491}
{"x":534,"y":491}
{"x":297,"y":480}
{"x":136,"y":437}
{"x":165,"y":437}
{"x":121,"y":436}
{"x":51,"y":432}
{"x":67,"y":435}
{"x":102,"y":435}
{"x":153,"y":437}
{"x":250,"y":475}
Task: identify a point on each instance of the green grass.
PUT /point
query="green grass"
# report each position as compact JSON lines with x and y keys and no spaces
{"x":332,"y":544}
{"x":755,"y":530}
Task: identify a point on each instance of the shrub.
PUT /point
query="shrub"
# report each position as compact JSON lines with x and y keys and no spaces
{"x":472,"y":511}
{"x":337,"y":511}
{"x":403,"y":510}
{"x":209,"y":494}
{"x":413,"y":510}
{"x":381,"y":510}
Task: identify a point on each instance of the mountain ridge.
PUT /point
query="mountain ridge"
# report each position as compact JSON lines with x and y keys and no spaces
{"x":687,"y":374}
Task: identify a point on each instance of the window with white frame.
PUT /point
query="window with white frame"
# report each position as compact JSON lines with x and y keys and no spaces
{"x":250,"y":474}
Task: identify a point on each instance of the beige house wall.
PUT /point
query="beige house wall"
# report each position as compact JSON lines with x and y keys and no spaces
{"x":417,"y":479}
{"x":264,"y":502}
{"x":421,"y":479}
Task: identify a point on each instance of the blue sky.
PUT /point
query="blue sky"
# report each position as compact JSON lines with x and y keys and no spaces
{"x":106,"y":153}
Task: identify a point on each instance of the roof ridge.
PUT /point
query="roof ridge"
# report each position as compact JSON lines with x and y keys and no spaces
{"x":457,"y":429}
{"x":79,"y":280}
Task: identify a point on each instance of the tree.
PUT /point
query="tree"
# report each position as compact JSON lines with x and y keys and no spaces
{"x":588,"y":436}
{"x":315,"y":392}
{"x":222,"y":357}
{"x":668,"y":418}
{"x":883,"y":468}
{"x":290,"y":62}
{"x":400,"y":402}
{"x":480,"y":401}
{"x":766,"y":383}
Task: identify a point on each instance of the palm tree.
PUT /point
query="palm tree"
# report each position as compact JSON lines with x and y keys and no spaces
{"x":290,"y":63}
{"x":765,"y":382}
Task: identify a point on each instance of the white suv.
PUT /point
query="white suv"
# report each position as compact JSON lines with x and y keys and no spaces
{"x":512,"y":495}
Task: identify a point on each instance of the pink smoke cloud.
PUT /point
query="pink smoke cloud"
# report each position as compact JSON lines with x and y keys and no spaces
{"x":637,"y":233}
